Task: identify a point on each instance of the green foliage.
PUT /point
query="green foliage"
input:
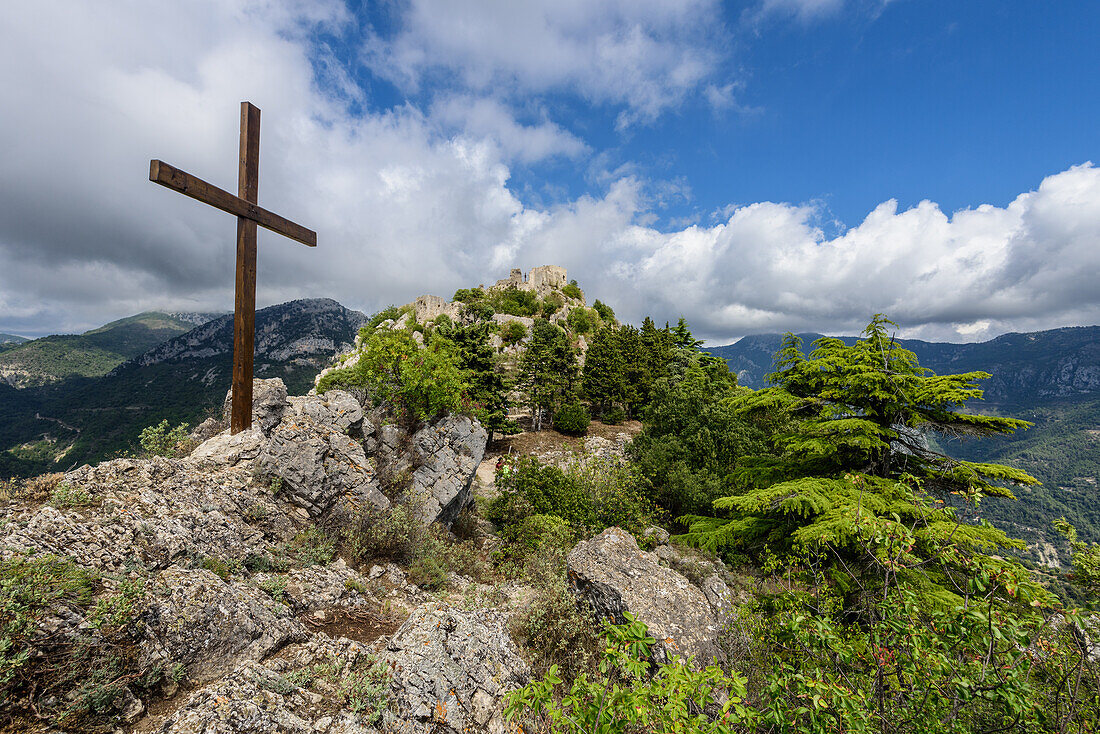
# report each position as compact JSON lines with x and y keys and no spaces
{"x":275,"y":587}
{"x":512,"y":332}
{"x":514,"y":301}
{"x":549,"y":370}
{"x":551,"y":305}
{"x":573,"y":419}
{"x":66,"y":495}
{"x":693,"y":440}
{"x":389,"y":313}
{"x":468,"y":295}
{"x":623,"y":696}
{"x":314,"y":546}
{"x":29,"y":586}
{"x":220,"y":567}
{"x":615,"y":416}
{"x":1086,"y":557}
{"x":486,"y":396}
{"x":536,"y":534}
{"x":161,"y":440}
{"x":590,"y":495}
{"x":607,"y":314}
{"x":119,"y":610}
{"x":579,"y":321}
{"x":361,"y":686}
{"x":572,"y":290}
{"x":845,"y":436}
{"x":531,"y":488}
{"x":623,"y":366}
{"x":395,"y":372}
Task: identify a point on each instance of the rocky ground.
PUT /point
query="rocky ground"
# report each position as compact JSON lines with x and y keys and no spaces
{"x":197,"y":594}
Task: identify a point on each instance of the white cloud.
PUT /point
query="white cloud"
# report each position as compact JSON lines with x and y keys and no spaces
{"x":404,"y":207}
{"x":489,"y":119}
{"x":645,"y":55}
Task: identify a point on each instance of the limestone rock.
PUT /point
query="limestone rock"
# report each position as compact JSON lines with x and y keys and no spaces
{"x":451,"y":669}
{"x":196,"y":619}
{"x":268,"y":403}
{"x":317,"y":462}
{"x":611,"y":574}
{"x":446,"y":455}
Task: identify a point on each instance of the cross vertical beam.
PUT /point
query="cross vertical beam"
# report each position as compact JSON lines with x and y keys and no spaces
{"x":244,"y":311}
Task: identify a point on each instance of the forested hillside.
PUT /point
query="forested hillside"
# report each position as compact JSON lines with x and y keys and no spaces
{"x":93,"y":353}
{"x":182,"y":380}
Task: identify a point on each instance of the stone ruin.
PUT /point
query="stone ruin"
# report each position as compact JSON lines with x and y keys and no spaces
{"x":543,"y":280}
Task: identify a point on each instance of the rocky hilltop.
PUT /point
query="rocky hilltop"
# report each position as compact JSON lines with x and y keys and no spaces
{"x":209,"y":589}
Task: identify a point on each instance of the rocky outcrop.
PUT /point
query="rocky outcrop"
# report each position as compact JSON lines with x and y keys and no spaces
{"x":328,"y":456}
{"x":450,"y":670}
{"x":440,"y":460}
{"x":208,"y":625}
{"x":613,"y":576}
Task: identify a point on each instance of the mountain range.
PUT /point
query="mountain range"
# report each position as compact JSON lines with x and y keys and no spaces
{"x":51,"y":425}
{"x":51,"y":359}
{"x":83,"y":398}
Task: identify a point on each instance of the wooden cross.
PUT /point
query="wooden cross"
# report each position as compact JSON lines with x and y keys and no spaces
{"x":248,"y":216}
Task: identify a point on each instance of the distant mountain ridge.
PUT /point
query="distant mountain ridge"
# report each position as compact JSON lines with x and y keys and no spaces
{"x":12,"y":339}
{"x":182,"y":379}
{"x":55,"y":358}
{"x":1057,"y":363}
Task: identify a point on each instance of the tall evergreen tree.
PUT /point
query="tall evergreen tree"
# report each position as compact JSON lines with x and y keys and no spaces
{"x":848,"y":456}
{"x":549,"y":370}
{"x":603,"y":378}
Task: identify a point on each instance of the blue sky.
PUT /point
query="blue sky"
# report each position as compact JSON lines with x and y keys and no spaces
{"x":755,"y":166}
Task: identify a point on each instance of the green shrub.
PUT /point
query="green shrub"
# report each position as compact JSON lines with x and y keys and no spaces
{"x":389,"y":313}
{"x":275,"y":587}
{"x":396,"y":372}
{"x":314,"y":546}
{"x":28,"y":587}
{"x":572,"y":419}
{"x":514,"y":301}
{"x":220,"y":567}
{"x":66,"y":495}
{"x":551,"y":305}
{"x":361,"y":686}
{"x":607,"y":315}
{"x":443,"y":321}
{"x":533,"y":489}
{"x":626,"y":695}
{"x":615,"y":416}
{"x":119,"y":610}
{"x":537,"y":534}
{"x":395,"y":534}
{"x":160,"y":440}
{"x":512,"y":332}
{"x":572,"y":290}
{"x":579,"y":320}
{"x":468,"y":295}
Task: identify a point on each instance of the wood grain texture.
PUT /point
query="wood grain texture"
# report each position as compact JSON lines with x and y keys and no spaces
{"x":244,"y":306}
{"x":173,"y":178}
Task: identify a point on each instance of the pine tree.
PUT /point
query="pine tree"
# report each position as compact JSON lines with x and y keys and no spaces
{"x":604,"y":375}
{"x":549,"y":370}
{"x":849,"y":456}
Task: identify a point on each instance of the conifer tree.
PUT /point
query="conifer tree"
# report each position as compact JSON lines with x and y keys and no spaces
{"x":604,"y":374}
{"x":847,"y":428}
{"x":549,"y":370}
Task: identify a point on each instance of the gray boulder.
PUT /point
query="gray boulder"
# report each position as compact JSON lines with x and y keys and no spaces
{"x":613,"y":576}
{"x":442,"y":458}
{"x":208,"y":625}
{"x":322,"y":469}
{"x":268,"y":403}
{"x":451,"y":668}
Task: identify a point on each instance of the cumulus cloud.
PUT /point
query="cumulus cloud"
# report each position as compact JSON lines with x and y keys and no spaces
{"x":409,"y":201}
{"x":645,"y":55}
{"x":488,"y":119}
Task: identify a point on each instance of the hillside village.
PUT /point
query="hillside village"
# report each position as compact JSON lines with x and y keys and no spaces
{"x":487,"y":513}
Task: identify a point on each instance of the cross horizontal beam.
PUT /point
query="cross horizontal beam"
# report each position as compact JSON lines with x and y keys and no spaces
{"x":183,"y":182}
